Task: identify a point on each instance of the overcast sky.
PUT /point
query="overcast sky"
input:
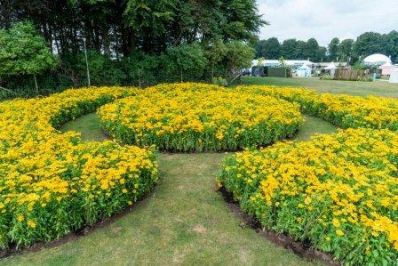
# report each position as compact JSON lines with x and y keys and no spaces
{"x":325,"y":19}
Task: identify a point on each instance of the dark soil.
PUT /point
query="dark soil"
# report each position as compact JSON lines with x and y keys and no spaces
{"x":303,"y":249}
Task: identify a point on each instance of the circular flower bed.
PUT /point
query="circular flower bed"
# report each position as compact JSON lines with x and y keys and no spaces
{"x":199,"y":117}
{"x":52,"y":183}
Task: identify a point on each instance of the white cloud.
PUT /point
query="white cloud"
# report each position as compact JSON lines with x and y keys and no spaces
{"x":323,"y":20}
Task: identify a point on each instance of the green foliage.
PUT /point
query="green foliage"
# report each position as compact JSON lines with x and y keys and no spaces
{"x":129,"y":42}
{"x":215,"y":52}
{"x":333,"y":49}
{"x":347,"y":50}
{"x":289,"y":48}
{"x":186,"y":58}
{"x":24,"y":51}
{"x":391,"y":45}
{"x":296,"y":49}
{"x":239,"y":55}
{"x":269,"y":49}
{"x":103,"y":70}
{"x":368,"y":43}
{"x":141,"y":68}
{"x":311,"y":50}
{"x":372,"y":42}
{"x":358,"y":66}
{"x":219,"y":81}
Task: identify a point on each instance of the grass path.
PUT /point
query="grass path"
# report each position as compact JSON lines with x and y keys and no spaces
{"x":184,"y":221}
{"x":361,"y":88}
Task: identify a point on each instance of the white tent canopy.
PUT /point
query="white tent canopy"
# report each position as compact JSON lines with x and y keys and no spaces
{"x":394,"y":76}
{"x":276,"y":63}
{"x":387,"y":64}
{"x":376,"y":60}
{"x":387,"y":68}
{"x":331,"y":66}
{"x":304,"y":71}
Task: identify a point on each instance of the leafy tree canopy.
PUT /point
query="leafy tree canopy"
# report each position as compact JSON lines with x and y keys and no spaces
{"x":346,"y":50}
{"x":24,"y":51}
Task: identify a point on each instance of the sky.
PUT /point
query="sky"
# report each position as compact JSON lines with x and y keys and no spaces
{"x":326,"y":19}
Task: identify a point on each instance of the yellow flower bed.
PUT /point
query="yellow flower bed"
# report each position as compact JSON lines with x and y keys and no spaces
{"x":344,"y":111}
{"x":52,"y":183}
{"x":198,"y":117}
{"x":339,"y":192}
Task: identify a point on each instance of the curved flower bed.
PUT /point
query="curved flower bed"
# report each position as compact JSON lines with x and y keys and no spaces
{"x":344,"y":111}
{"x":52,"y":183}
{"x":197,"y":117}
{"x":338,"y":192}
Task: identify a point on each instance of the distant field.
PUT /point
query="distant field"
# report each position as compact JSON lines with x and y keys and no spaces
{"x":381,"y":88}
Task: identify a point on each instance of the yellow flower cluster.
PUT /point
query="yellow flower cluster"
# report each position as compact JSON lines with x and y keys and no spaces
{"x":340,"y":192}
{"x":199,"y":117}
{"x":344,"y":111}
{"x":52,"y":183}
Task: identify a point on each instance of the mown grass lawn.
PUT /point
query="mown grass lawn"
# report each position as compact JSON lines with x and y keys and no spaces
{"x":184,"y":221}
{"x":361,"y":88}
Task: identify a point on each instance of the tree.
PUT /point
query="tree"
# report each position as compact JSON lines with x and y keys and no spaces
{"x":311,"y":50}
{"x":215,"y":52}
{"x":239,"y":19}
{"x":369,"y":43}
{"x":345,"y":50}
{"x":270,"y":49}
{"x":391,"y":45}
{"x":299,"y":51}
{"x":322,"y":53}
{"x":259,"y":48}
{"x":24,"y":51}
{"x":288,"y":49}
{"x":333,"y":49}
{"x":141,"y":68}
{"x":239,"y":55}
{"x":186,"y":58}
{"x":118,"y":29}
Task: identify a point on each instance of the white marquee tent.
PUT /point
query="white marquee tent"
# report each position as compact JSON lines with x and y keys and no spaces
{"x":331,"y":68}
{"x":387,"y":68}
{"x":304,"y":71}
{"x":376,"y":60}
{"x":394,"y":76}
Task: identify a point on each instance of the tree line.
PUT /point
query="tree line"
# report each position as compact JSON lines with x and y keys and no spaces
{"x":347,"y":50}
{"x":127,"y":42}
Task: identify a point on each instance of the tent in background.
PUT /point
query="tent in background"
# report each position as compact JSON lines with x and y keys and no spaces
{"x":387,"y":68}
{"x":394,"y":76}
{"x":304,"y":71}
{"x":376,"y":60}
{"x":331,"y":68}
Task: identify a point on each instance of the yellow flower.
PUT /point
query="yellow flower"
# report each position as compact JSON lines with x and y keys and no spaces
{"x":36,"y":160}
{"x":336,"y":222}
{"x":200,"y":117}
{"x":307,"y":200}
{"x":31,"y":224}
{"x":339,"y":232}
{"x":20,"y":218}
